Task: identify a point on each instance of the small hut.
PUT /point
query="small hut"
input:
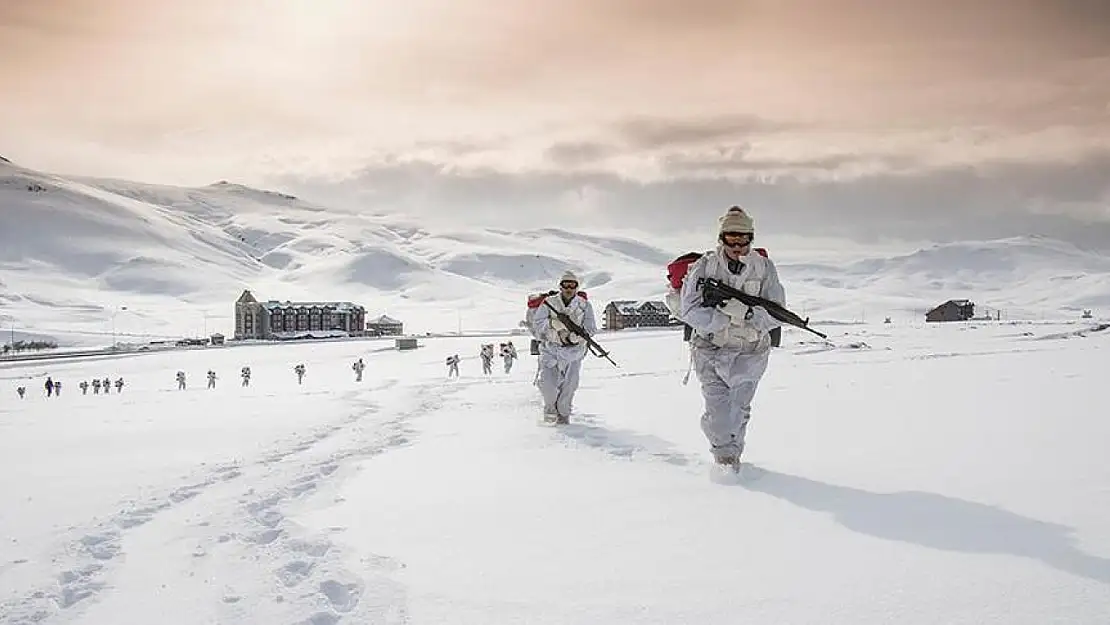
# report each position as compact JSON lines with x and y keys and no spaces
{"x":952,"y":310}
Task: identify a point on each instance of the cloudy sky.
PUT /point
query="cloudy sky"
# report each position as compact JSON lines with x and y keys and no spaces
{"x":943,"y":119}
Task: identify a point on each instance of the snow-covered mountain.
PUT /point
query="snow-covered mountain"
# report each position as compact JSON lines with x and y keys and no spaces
{"x":1023,"y":277}
{"x":75,"y":250}
{"x":82,"y":257}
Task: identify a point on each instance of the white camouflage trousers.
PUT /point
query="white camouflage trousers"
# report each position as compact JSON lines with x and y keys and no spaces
{"x":729,"y":379}
{"x":558,"y":384}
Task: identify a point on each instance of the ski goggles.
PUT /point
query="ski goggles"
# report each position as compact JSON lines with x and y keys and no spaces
{"x":737,"y":239}
{"x":568,"y":285}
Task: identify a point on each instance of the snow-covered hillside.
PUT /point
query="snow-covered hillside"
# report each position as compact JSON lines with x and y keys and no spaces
{"x":1023,"y":277}
{"x":911,"y":475}
{"x":83,"y":257}
{"x":76,"y":250}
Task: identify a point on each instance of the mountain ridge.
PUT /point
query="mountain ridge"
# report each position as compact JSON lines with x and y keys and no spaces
{"x":73,"y":250}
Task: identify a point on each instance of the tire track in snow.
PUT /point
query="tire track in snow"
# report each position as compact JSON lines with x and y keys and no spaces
{"x":85,"y":564}
{"x":307,"y":573}
{"x":90,"y":557}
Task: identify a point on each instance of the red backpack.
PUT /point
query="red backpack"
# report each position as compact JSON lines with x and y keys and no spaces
{"x":676,"y":270}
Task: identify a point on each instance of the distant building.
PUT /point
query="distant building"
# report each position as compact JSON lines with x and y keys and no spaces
{"x":217,"y":339}
{"x":952,"y":310}
{"x":385,"y":326}
{"x":280,"y":320}
{"x":622,"y":314}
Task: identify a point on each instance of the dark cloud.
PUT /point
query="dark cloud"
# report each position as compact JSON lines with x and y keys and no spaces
{"x":456,"y":148}
{"x":647,"y":133}
{"x":575,"y":153}
{"x":65,"y":18}
{"x":739,"y":162}
{"x":724,"y":136}
{"x":999,"y":200}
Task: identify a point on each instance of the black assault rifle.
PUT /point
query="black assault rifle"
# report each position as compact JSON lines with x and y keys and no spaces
{"x":714,"y":293}
{"x":574,"y":328}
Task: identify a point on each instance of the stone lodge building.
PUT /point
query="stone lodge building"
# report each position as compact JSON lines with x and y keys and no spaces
{"x":622,"y":314}
{"x":283,"y":320}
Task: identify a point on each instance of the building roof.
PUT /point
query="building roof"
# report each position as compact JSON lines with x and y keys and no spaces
{"x":337,"y":306}
{"x":954,"y":302}
{"x":246,"y":298}
{"x":638,"y":307}
{"x":385,"y":320}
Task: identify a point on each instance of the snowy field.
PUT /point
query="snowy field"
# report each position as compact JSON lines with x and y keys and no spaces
{"x":914,"y":475}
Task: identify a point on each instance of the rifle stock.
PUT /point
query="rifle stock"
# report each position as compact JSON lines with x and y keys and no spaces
{"x":715,"y":292}
{"x":591,"y":344}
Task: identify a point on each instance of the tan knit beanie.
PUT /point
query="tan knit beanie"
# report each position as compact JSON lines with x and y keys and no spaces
{"x":736,"y":220}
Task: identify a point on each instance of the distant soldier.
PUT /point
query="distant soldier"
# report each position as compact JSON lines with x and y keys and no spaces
{"x":508,"y":355}
{"x":49,"y":387}
{"x":486,"y":355}
{"x":119,"y":385}
{"x":300,"y":371}
{"x":21,"y":391}
{"x":246,"y":375}
{"x":453,"y":366}
{"x":358,"y":368}
{"x":84,"y":386}
{"x":96,"y":386}
{"x":211,"y":379}
{"x":107,"y":384}
{"x":180,"y":380}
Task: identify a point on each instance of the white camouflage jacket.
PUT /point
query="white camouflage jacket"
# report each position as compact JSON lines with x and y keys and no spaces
{"x":714,"y":328}
{"x":548,"y":327}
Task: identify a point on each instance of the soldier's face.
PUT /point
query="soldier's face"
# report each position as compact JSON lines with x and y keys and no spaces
{"x":736,"y":243}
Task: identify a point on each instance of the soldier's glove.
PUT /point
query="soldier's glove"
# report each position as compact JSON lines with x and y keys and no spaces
{"x":735,"y":309}
{"x":720,"y":339}
{"x":762,"y":320}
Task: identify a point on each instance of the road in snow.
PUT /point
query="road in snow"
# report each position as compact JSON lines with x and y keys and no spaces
{"x":948,"y":474}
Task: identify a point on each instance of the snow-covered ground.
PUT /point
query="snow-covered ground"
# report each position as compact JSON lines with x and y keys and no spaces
{"x":950,"y":473}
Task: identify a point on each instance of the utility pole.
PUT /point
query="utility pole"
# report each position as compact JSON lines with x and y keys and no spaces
{"x":114,"y":313}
